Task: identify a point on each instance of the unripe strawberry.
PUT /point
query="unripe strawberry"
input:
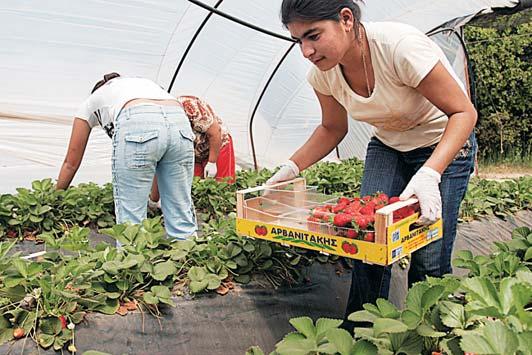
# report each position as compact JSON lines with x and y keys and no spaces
{"x":18,"y":333}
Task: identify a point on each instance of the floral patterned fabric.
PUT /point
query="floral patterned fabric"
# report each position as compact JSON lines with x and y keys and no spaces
{"x":201,"y":116}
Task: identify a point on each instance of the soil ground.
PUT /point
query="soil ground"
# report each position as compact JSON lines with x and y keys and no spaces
{"x":504,"y":171}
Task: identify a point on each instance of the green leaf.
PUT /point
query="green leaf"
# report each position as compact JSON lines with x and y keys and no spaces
{"x":528,"y":254}
{"x":122,"y":285}
{"x":243,"y":279}
{"x":162,"y":270}
{"x":323,"y":325}
{"x":482,"y":291}
{"x":196,"y":273}
{"x":493,"y":338}
{"x":295,"y":346}
{"x":21,"y":266}
{"x":452,"y":314}
{"x":305,"y":326}
{"x":427,"y":331}
{"x":430,"y":297}
{"x":414,"y":296}
{"x":109,"y":307}
{"x":254,"y":350}
{"x":213,"y":281}
{"x":341,"y":339}
{"x":362,"y":316}
{"x":387,"y":325}
{"x":387,"y":309}
{"x":409,"y":343}
{"x":50,"y":326}
{"x":364,"y":347}
{"x":198,"y":286}
{"x":149,"y":298}
{"x":411,"y":319}
{"x":45,"y":340}
{"x":161,"y":291}
{"x":6,"y":335}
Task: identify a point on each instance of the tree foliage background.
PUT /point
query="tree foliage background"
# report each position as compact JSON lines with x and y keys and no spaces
{"x":500,"y":52}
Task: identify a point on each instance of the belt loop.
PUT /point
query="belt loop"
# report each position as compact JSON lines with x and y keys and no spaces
{"x":128,"y":113}
{"x":163,"y":111}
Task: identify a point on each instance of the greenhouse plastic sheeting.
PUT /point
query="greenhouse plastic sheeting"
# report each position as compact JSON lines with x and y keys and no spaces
{"x":54,"y":51}
{"x":253,"y":314}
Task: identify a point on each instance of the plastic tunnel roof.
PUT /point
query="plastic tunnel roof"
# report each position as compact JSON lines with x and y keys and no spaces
{"x":52,"y":53}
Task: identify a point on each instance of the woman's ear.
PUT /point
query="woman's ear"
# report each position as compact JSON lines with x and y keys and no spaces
{"x":347,"y":18}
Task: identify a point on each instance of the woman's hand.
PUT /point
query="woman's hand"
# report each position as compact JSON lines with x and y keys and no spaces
{"x":425,"y":186}
{"x":287,"y":171}
{"x":76,"y":148}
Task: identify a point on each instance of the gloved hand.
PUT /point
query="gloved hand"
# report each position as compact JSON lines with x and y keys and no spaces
{"x":287,"y":171}
{"x":210,"y":170}
{"x":425,"y":185}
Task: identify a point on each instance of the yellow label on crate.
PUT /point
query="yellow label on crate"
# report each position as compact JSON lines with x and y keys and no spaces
{"x":330,"y":244}
{"x":403,"y":241}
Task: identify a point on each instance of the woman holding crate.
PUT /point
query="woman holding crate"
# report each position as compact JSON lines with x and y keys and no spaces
{"x":395,"y":78}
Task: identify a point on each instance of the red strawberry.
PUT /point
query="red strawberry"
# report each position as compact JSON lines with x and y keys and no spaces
{"x":63,"y":321}
{"x":355,"y":200}
{"x":351,"y":209}
{"x":352,"y":234}
{"x":362,"y":221}
{"x":367,"y":198}
{"x":320,"y":212}
{"x":393,"y":199}
{"x":369,"y":237}
{"x":342,"y":219}
{"x":339,"y":207}
{"x":383,"y":197}
{"x":368,"y":210}
{"x":343,"y":201}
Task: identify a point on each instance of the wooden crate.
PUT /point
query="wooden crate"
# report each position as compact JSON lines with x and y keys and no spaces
{"x":279,"y":212}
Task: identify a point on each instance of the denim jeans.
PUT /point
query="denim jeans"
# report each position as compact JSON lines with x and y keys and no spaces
{"x":149,"y":140}
{"x":389,"y":171}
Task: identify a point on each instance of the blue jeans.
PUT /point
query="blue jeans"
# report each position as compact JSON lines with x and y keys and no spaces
{"x":152,"y":139}
{"x":389,"y":171}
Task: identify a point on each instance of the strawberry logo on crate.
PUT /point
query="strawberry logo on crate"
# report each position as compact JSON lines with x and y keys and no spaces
{"x":349,"y":248}
{"x":261,"y":230}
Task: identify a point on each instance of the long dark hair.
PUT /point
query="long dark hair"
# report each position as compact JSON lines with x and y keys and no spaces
{"x":316,"y":10}
{"x":105,"y":79}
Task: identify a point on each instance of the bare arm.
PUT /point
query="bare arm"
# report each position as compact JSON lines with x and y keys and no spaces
{"x":440,"y":88}
{"x":154,"y":194}
{"x":215,"y":140}
{"x":326,"y":136}
{"x":76,"y":149}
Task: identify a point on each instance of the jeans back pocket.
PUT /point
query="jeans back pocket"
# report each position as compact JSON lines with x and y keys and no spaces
{"x":141,"y":148}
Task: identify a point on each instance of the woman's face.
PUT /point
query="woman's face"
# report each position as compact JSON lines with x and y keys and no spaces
{"x":324,"y":42}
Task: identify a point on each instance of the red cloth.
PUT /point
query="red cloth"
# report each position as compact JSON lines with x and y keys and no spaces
{"x":225,"y":164}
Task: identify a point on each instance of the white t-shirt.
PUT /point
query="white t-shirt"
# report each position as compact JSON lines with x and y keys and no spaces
{"x":104,"y":105}
{"x":401,"y":56}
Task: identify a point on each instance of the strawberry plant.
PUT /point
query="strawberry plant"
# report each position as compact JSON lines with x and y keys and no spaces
{"x":485,"y":313}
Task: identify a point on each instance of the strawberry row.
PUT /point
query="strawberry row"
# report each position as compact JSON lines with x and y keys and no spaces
{"x":354,"y":218}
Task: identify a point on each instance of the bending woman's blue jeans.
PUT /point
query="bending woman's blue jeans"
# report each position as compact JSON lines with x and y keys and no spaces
{"x":389,"y":171}
{"x":152,"y":139}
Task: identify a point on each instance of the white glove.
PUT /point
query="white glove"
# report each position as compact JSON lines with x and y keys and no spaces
{"x":287,"y":171}
{"x":210,"y":170}
{"x":425,"y":185}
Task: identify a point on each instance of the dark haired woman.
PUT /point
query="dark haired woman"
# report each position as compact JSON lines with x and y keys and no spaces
{"x":151,"y":135}
{"x":395,"y":78}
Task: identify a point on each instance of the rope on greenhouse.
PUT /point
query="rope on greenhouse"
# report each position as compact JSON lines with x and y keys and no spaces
{"x":241,"y":22}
